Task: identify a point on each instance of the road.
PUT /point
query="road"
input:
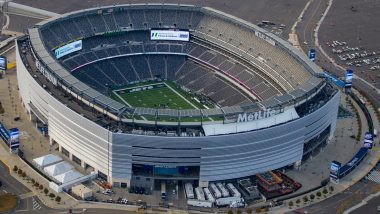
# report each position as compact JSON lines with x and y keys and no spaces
{"x":370,"y":207}
{"x":11,"y":185}
{"x":331,"y":205}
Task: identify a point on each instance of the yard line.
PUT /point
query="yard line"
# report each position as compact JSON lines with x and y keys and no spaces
{"x":181,"y":96}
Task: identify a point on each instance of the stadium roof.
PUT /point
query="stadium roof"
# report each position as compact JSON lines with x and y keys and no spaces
{"x":67,"y":80}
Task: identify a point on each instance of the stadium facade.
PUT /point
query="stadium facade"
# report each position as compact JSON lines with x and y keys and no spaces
{"x":276,"y":122}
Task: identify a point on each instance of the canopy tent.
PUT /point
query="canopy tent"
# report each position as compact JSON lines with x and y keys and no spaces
{"x":47,"y":160}
{"x":68,"y":176}
{"x":58,"y":168}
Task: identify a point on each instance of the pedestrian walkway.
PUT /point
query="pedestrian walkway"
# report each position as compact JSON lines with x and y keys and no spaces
{"x":27,"y":195}
{"x":36,"y":205}
{"x":374,"y":176}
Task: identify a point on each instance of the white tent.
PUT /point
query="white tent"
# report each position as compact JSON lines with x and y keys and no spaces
{"x":47,"y":160}
{"x":58,"y":168}
{"x":68,"y":176}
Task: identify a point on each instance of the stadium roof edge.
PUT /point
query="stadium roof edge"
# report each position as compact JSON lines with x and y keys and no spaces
{"x":272,"y":102}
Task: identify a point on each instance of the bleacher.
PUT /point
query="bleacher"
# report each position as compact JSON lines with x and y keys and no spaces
{"x":232,"y":48}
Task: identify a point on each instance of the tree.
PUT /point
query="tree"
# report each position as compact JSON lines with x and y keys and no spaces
{"x":37,"y":184}
{"x":258,"y":210}
{"x":15,"y":168}
{"x":230,"y":211}
{"x":305,"y":199}
{"x":58,"y":199}
{"x":249,"y":210}
{"x":290,"y":203}
{"x":46,"y":191}
{"x":19,"y":171}
{"x":51,"y":195}
{"x":319,"y":194}
{"x":312,"y":196}
{"x":23,"y":175}
{"x":298,"y":201}
{"x":239,"y":211}
{"x":325,"y":191}
{"x":33,"y":181}
{"x":331,"y":188}
{"x":41,"y":187}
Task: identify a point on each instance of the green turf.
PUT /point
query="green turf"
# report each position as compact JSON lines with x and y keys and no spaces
{"x":155,"y":98}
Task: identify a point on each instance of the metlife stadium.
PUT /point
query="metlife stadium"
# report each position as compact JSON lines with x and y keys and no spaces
{"x":274,"y":107}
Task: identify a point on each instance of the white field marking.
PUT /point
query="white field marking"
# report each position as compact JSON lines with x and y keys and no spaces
{"x":181,"y":96}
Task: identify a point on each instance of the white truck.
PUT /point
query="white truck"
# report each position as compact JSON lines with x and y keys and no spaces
{"x":233,"y":190}
{"x":223,"y":189}
{"x":229,"y":201}
{"x":216,"y":191}
{"x":200,"y":194}
{"x":199,"y":203}
{"x":209,"y":195}
{"x":189,"y":191}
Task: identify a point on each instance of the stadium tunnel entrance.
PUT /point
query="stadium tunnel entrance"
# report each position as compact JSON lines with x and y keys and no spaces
{"x":150,"y":177}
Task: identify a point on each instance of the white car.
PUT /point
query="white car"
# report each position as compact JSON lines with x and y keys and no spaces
{"x":124,"y":201}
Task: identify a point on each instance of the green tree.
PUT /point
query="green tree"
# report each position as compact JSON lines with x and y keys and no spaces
{"x":15,"y":168}
{"x":331,"y":188}
{"x":319,"y":194}
{"x":58,"y":199}
{"x":51,"y":195}
{"x":312,"y":196}
{"x":41,"y":187}
{"x":249,"y":210}
{"x":23,"y":175}
{"x":290,"y":203}
{"x":239,"y":211}
{"x":19,"y":171}
{"x":298,"y":201}
{"x":305,"y":199}
{"x":325,"y":191}
{"x":230,"y":211}
{"x":46,"y":191}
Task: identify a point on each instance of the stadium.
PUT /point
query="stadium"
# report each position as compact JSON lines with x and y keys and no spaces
{"x":172,"y":92}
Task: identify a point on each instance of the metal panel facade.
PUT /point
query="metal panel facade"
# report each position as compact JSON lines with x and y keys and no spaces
{"x":219,"y":157}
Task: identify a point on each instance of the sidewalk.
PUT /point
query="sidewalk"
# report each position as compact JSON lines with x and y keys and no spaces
{"x":358,"y":173}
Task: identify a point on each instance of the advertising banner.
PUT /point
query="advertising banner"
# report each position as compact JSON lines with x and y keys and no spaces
{"x":67,"y":49}
{"x":170,"y":35}
{"x":3,"y":63}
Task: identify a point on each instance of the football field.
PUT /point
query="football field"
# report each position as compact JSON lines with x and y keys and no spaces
{"x":155,"y":95}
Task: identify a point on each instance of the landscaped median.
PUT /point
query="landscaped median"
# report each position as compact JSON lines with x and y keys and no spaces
{"x":8,"y":202}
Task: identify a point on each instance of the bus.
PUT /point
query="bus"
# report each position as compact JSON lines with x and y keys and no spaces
{"x":163,"y":190}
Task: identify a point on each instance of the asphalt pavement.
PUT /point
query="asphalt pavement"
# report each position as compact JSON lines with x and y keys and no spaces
{"x":370,"y":207}
{"x":10,"y":185}
{"x":359,"y":190}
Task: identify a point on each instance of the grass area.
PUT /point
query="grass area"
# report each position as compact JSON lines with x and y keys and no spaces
{"x":158,"y":95}
{"x":7,"y":202}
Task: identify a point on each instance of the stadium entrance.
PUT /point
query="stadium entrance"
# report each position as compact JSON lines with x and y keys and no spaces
{"x":150,"y":177}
